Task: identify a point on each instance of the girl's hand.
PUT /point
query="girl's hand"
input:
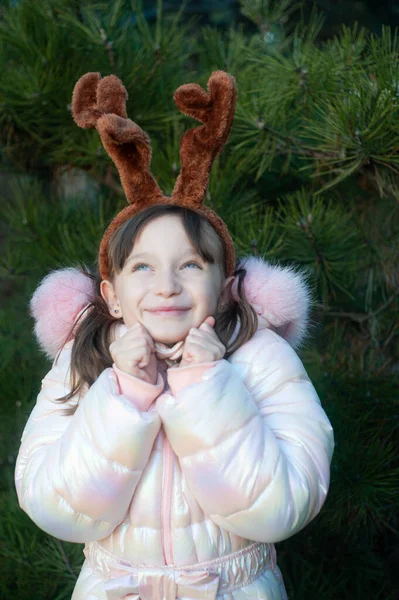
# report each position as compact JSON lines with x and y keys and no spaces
{"x":134,"y":353}
{"x":202,"y":345}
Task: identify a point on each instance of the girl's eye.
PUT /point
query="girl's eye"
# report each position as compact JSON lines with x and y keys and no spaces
{"x":137,"y":267}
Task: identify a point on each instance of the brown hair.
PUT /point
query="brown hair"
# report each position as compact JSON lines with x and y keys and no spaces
{"x":90,"y":350}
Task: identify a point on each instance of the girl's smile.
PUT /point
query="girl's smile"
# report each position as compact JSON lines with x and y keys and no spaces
{"x":169,"y":312}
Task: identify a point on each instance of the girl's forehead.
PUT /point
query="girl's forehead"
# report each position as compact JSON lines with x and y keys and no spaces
{"x":163,"y":222}
{"x":163,"y":234}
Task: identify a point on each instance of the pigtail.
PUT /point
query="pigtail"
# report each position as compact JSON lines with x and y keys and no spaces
{"x":239,"y":313}
{"x":90,"y":350}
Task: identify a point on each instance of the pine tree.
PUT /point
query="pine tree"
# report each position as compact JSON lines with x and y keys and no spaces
{"x":309,"y":177}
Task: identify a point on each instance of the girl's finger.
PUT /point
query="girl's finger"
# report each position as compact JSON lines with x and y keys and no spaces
{"x":209,"y":336}
{"x":209,"y":322}
{"x":205,"y":331}
{"x":207,"y":342}
{"x":138,"y":338}
{"x":205,"y":337}
{"x":194,"y":346}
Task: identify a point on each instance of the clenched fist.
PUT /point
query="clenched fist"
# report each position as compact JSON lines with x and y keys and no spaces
{"x":134,"y":353}
{"x":202,"y":344}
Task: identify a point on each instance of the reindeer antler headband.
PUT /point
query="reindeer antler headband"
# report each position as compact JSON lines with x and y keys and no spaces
{"x":101,"y":103}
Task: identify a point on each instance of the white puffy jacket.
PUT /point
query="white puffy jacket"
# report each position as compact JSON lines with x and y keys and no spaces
{"x":180,"y":489}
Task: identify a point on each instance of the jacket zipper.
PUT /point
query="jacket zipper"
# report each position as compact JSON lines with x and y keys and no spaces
{"x":166,"y":518}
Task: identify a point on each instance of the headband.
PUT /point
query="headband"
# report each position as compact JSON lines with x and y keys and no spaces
{"x":101,"y":103}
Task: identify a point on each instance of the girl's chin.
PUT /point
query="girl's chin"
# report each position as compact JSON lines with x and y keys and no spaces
{"x":168,"y":334}
{"x":168,"y":340}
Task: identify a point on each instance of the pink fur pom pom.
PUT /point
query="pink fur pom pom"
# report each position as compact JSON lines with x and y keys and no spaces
{"x":56,"y":305}
{"x":280,"y":297}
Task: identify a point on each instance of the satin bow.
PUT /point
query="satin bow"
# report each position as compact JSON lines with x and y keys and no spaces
{"x":154,"y":584}
{"x":169,"y":355}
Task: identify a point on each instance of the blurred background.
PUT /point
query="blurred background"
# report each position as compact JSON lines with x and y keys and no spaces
{"x":309,"y":177}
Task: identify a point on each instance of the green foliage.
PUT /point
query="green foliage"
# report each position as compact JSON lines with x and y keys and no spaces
{"x":47,"y":46}
{"x":309,"y":178}
{"x":322,"y":235}
{"x":31,"y":560}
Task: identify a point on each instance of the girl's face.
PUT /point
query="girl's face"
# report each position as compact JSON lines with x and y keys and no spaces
{"x":164,"y":272}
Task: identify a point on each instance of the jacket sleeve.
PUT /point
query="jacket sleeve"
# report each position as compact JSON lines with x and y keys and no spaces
{"x":75,"y":475}
{"x":253,"y":441}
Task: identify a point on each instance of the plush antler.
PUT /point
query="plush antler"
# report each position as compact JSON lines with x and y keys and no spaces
{"x":101,"y":103}
{"x":200,"y":146}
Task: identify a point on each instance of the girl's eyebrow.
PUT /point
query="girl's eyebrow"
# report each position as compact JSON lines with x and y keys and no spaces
{"x":187,"y":254}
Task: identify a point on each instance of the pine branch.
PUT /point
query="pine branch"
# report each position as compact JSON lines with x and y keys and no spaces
{"x":65,"y":558}
{"x":357,"y":317}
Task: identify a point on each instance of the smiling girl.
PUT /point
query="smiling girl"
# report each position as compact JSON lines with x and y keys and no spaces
{"x":177,"y":434}
{"x":172,"y":294}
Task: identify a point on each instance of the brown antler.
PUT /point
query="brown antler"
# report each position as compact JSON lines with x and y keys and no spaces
{"x":200,"y":146}
{"x":101,"y":103}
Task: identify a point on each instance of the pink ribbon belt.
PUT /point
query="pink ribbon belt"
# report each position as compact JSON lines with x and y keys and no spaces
{"x":165,"y":584}
{"x":122,"y":580}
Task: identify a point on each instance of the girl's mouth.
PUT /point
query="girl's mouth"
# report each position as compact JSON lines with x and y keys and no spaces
{"x":169,"y":312}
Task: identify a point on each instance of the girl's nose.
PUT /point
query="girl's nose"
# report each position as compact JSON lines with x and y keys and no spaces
{"x":167,"y":284}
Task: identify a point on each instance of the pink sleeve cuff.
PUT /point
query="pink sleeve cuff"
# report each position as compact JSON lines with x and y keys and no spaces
{"x":181,"y":377}
{"x":141,"y":393}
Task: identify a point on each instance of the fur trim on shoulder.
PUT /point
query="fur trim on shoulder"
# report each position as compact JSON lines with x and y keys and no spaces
{"x":56,"y":304}
{"x":279,"y":295}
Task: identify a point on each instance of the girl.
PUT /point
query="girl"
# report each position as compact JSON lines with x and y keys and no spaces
{"x":178,"y":434}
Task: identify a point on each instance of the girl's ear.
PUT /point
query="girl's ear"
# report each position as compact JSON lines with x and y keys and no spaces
{"x":109,"y":295}
{"x":225,"y":294}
